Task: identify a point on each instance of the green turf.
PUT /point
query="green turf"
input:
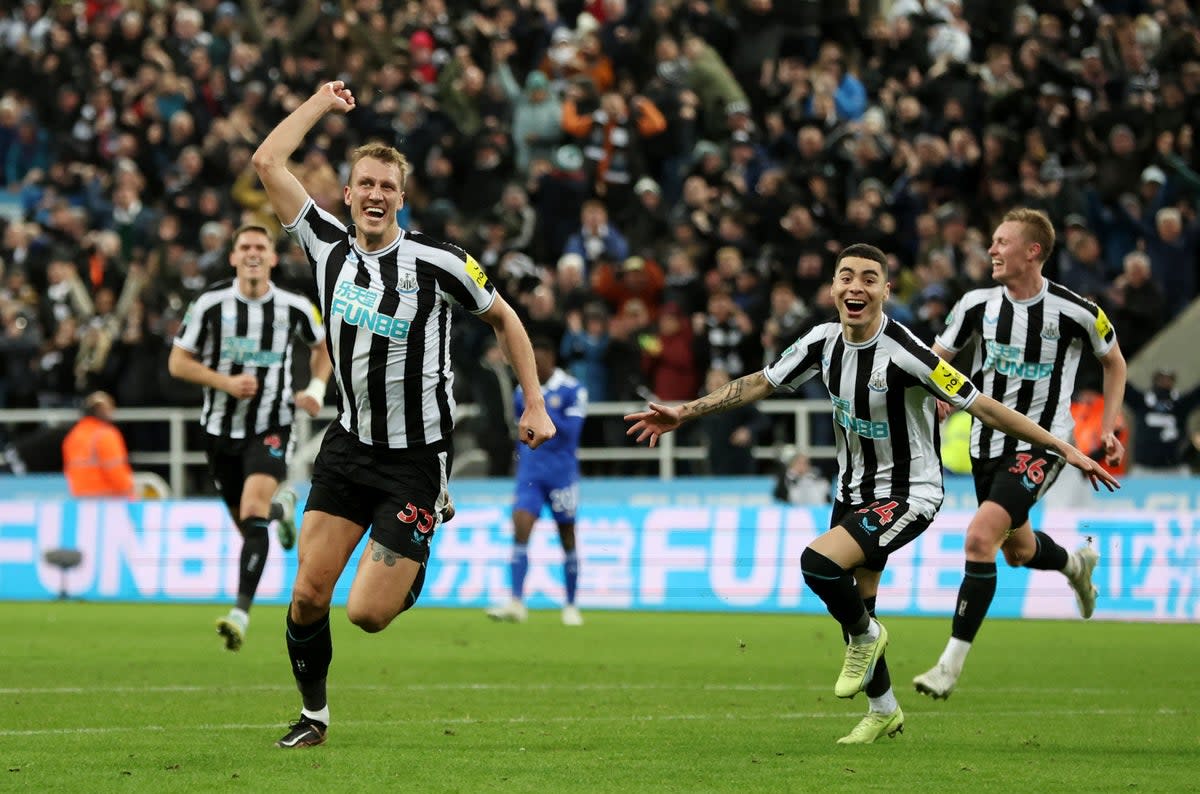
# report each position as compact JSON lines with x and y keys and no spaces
{"x":99,"y":698}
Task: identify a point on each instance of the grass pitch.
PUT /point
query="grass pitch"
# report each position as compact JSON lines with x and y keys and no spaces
{"x":106,"y":698}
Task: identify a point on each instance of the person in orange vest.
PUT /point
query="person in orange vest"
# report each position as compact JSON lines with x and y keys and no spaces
{"x":1087,"y":409}
{"x":95,"y":459}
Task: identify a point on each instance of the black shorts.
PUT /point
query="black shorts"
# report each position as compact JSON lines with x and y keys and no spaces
{"x":1016,"y":481}
{"x":232,"y":460}
{"x":398,"y":493}
{"x":882,"y":526}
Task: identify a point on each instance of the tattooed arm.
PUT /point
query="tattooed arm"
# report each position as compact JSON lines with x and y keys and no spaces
{"x":659,"y":419}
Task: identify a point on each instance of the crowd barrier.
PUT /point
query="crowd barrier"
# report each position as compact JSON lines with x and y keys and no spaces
{"x":695,"y":544}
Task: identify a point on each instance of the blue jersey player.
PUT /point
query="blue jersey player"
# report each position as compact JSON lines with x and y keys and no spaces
{"x":548,"y":475}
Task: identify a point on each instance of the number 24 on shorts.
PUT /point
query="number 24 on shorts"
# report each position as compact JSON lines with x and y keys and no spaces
{"x":882,"y":509}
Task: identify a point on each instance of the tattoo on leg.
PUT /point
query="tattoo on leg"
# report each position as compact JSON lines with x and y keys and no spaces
{"x":384,"y":555}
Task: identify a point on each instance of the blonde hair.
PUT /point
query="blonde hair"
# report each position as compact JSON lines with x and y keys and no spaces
{"x":388,"y":155}
{"x":252,"y":227}
{"x":1038,"y":228}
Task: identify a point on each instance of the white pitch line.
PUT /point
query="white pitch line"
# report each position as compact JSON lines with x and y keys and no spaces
{"x":634,"y":718}
{"x":497,"y":687}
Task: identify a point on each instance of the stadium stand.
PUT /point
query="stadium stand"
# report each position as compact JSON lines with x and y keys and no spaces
{"x":733,"y":146}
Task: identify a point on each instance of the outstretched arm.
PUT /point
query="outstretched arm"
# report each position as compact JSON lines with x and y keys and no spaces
{"x":535,"y":425}
{"x":1001,"y":417}
{"x":660,"y":419}
{"x":270,"y":161}
{"x":1113,"y":363}
{"x":944,"y":409}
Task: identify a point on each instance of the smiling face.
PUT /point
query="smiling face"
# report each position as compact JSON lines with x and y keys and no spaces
{"x":253,"y":256}
{"x":859,"y":290}
{"x":1014,"y":256}
{"x":375,"y":194}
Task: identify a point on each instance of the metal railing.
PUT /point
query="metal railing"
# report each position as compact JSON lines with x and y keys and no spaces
{"x":307,"y":433}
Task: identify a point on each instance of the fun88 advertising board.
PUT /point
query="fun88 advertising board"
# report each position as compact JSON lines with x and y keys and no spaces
{"x":693,"y":544}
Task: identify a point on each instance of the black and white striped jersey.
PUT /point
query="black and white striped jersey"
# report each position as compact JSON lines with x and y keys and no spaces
{"x":236,"y":335}
{"x":388,"y":313}
{"x":1027,"y":356}
{"x":884,"y":412}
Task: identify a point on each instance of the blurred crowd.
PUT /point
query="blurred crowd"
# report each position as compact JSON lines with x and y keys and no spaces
{"x":659,"y":185}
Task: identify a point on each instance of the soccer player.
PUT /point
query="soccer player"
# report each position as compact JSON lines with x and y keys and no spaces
{"x":237,"y":342}
{"x":548,"y":475}
{"x":386,"y":294}
{"x":1031,"y":335}
{"x":882,"y":381}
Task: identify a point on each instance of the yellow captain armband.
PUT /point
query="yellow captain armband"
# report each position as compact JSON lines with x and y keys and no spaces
{"x":947,"y":378}
{"x":476,"y":272}
{"x":1103,"y":325}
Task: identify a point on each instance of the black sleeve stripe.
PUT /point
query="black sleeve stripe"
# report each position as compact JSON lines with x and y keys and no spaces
{"x":450,"y":285}
{"x":325,"y":231}
{"x":910,"y":344}
{"x":1070,"y":297}
{"x":429,"y":242}
{"x":811,"y":357}
{"x":972,"y":322}
{"x":974,"y":303}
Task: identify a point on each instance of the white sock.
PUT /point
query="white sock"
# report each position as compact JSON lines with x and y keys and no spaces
{"x":1072,"y":566}
{"x":955,"y":655}
{"x":243,"y":614}
{"x":321,"y":716}
{"x":870,"y":635}
{"x":885,"y":703}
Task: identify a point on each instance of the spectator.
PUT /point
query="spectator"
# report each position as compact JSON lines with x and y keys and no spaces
{"x":65,"y":295}
{"x":38,"y":451}
{"x":28,"y":153}
{"x":95,"y":460}
{"x":595,"y":238}
{"x":1173,"y":248}
{"x":670,"y":359}
{"x":647,"y":225}
{"x":1084,"y":271}
{"x":725,"y":336}
{"x":1138,"y":303}
{"x":537,"y":117}
{"x":637,"y":278}
{"x":786,"y":317}
{"x":584,"y":350}
{"x":559,"y":190}
{"x":682,"y":285}
{"x":837,"y":119}
{"x":612,"y":139}
{"x":494,"y":430}
{"x":1160,"y":431}
{"x":569,"y":284}
{"x":798,"y":483}
{"x":731,"y":435}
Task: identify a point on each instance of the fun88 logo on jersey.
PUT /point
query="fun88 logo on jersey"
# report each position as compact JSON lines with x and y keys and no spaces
{"x":1009,"y":360}
{"x":863,"y":427}
{"x":355,"y":305}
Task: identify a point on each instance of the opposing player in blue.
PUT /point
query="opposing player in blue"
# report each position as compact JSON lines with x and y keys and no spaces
{"x":548,"y":475}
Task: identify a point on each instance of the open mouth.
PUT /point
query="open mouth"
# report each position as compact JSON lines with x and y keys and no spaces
{"x":855,"y":306}
{"x":374,"y":213}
